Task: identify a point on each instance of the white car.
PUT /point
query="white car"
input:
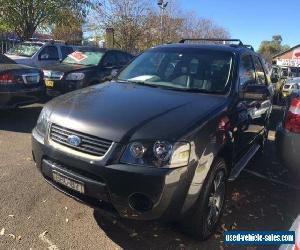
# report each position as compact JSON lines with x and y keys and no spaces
{"x":40,"y":53}
{"x":291,"y":85}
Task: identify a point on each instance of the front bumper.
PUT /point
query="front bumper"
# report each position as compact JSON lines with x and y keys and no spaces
{"x":286,"y":94}
{"x":288,"y":149}
{"x":126,"y":190}
{"x":21,"y":96}
{"x":62,"y":86}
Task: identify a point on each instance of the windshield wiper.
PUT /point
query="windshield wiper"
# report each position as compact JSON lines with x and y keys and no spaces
{"x":192,"y":90}
{"x":144,"y":83}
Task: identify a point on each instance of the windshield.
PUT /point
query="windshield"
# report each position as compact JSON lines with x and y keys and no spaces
{"x":25,"y":49}
{"x":87,"y":58}
{"x":191,"y":69}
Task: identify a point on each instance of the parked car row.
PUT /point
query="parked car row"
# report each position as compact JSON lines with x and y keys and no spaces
{"x":53,"y":68}
{"x":285,"y":83}
{"x":161,"y":140}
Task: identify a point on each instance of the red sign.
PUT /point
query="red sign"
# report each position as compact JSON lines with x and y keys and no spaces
{"x":78,"y":56}
{"x":297,"y":54}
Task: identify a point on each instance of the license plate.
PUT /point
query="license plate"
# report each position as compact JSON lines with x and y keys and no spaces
{"x":68,"y":182}
{"x":49,"y":83}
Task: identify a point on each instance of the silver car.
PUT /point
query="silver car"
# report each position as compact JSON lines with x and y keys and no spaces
{"x":291,"y":85}
{"x":40,"y":53}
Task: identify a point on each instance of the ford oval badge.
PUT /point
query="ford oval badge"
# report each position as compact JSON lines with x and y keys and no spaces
{"x":74,"y":140}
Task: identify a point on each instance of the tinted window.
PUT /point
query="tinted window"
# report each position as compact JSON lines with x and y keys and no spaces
{"x":197,"y":70}
{"x":260,"y":73}
{"x":110,"y":60}
{"x":49,"y":53}
{"x":65,"y":51}
{"x":122,"y":58}
{"x":246,"y":71}
{"x":129,"y":57}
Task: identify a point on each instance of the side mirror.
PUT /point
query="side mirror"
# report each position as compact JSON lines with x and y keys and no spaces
{"x":114,"y":73}
{"x":107,"y":65}
{"x":43,"y":57}
{"x":256,"y":92}
{"x":274,"y":79}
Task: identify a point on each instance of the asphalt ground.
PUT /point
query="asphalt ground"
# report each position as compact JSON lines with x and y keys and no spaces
{"x":33,"y":215}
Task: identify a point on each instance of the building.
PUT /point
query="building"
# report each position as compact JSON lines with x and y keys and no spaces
{"x":289,"y":58}
{"x":289,"y":61}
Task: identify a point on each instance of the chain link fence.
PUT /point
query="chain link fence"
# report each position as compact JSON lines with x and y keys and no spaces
{"x":6,"y":43}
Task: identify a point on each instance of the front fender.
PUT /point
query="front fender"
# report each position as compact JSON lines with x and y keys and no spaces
{"x":212,"y":150}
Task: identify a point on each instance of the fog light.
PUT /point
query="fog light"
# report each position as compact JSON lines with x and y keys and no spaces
{"x":140,"y":202}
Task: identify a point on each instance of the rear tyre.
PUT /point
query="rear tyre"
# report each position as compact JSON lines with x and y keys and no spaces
{"x":202,"y":223}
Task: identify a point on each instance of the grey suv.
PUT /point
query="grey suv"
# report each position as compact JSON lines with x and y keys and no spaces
{"x":163,"y":138}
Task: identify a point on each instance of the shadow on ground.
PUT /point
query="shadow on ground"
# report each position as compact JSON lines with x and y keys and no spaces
{"x":149,"y":235}
{"x":20,"y":120}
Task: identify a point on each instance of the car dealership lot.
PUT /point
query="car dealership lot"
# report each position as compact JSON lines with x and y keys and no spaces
{"x":34,"y":215}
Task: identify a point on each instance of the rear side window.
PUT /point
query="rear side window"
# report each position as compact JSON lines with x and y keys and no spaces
{"x":246,"y":71}
{"x":122,"y":59}
{"x":128,"y":57}
{"x":65,"y":51}
{"x":260,"y":73}
{"x":110,"y":60}
{"x":49,"y":53}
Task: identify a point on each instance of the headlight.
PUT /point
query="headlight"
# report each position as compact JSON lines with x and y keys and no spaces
{"x":43,"y":120}
{"x":75,"y":76}
{"x":157,"y":154}
{"x":53,"y":74}
{"x":162,"y":150}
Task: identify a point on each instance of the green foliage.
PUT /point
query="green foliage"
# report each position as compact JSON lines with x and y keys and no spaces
{"x":4,"y":28}
{"x":25,"y":16}
{"x":268,"y":49}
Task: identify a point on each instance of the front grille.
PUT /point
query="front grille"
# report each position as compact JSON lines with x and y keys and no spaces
{"x":31,"y":78}
{"x":89,"y":144}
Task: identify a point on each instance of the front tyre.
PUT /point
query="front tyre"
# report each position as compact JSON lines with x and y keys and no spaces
{"x":202,"y":223}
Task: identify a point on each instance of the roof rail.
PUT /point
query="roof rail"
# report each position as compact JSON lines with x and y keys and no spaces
{"x":249,"y":46}
{"x":46,"y":40}
{"x":240,"y":43}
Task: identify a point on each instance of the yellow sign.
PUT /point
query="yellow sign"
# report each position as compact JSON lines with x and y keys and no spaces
{"x":49,"y":83}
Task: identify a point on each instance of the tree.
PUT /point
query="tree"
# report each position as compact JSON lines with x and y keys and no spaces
{"x":268,"y":49}
{"x":137,"y":23}
{"x":4,"y":28}
{"x":126,"y":17}
{"x":69,"y":29}
{"x":25,"y":16}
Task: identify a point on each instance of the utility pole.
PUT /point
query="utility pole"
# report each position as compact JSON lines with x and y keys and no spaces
{"x":162,"y":5}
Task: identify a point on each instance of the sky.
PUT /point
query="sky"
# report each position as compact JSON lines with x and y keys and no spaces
{"x":252,"y":21}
